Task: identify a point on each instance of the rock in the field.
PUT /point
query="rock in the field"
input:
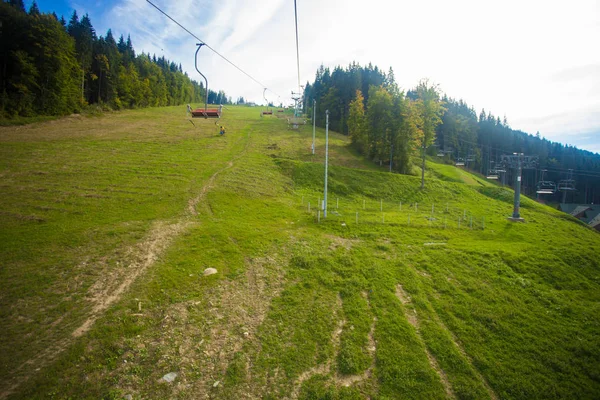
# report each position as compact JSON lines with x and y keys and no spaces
{"x":210,"y":271}
{"x":216,"y":383}
{"x":128,"y":397}
{"x":170,"y":377}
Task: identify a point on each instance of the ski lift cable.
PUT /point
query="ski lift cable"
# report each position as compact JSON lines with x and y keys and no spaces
{"x":297,"y":47}
{"x":213,"y":50}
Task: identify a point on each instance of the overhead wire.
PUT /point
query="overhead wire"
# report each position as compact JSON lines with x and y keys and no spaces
{"x":213,"y":50}
{"x":297,"y":47}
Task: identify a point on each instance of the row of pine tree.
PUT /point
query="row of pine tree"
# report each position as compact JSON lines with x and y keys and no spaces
{"x":386,"y":123}
{"x":53,"y":67}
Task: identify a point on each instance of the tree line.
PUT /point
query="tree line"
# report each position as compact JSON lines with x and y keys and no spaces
{"x":398,"y":128}
{"x":53,"y":67}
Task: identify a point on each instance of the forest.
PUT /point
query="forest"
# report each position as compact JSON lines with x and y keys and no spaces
{"x":386,"y":123}
{"x":53,"y":67}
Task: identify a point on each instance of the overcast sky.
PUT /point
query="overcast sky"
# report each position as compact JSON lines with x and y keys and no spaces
{"x":537,"y":62}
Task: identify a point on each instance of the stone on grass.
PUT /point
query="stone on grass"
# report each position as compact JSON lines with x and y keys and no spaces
{"x":210,"y":271}
{"x":170,"y":377}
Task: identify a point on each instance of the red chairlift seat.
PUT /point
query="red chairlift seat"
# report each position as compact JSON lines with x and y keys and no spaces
{"x":206,"y":113}
{"x":279,"y":111}
{"x":267,"y":112}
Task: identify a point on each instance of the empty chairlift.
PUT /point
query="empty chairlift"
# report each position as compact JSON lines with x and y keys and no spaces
{"x":544,"y":186}
{"x":268,"y":111}
{"x":204,"y":112}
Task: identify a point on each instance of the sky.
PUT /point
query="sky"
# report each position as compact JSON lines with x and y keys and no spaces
{"x":535,"y":62}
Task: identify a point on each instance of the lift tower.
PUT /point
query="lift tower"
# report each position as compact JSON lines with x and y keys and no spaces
{"x":518,"y":162}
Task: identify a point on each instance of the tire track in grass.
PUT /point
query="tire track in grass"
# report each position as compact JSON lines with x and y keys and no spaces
{"x":110,"y":288}
{"x":326,"y":368}
{"x":414,"y":321}
{"x":462,"y":351}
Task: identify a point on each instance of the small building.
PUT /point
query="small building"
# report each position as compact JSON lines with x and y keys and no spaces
{"x":588,"y":213}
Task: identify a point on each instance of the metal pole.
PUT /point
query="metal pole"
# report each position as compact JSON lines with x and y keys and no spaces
{"x":391,"y":155}
{"x":314,"y":119}
{"x":517,"y":200}
{"x":326,"y":160}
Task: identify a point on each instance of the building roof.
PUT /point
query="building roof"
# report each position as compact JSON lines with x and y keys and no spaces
{"x":595,"y":222}
{"x":579,"y":211}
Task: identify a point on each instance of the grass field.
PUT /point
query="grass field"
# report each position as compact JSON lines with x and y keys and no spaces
{"x":108,"y":222}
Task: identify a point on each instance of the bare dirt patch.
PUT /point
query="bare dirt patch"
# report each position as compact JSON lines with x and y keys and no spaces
{"x":230,"y":315}
{"x":111,"y":286}
{"x":337,"y":241}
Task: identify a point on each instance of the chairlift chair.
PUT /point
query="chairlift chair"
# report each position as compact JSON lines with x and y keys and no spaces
{"x":460,"y":162}
{"x":566,"y":185}
{"x":492,"y":174}
{"x":268,"y":111}
{"x":204,"y":112}
{"x":544,"y":186}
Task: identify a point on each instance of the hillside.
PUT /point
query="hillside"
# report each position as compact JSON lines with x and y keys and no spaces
{"x":108,"y":224}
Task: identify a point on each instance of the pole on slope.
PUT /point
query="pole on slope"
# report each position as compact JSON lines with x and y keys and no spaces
{"x":314,"y":119}
{"x":326,"y":161}
{"x":517,"y":200}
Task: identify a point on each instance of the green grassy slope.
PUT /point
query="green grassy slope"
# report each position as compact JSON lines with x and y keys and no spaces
{"x":431,"y":294}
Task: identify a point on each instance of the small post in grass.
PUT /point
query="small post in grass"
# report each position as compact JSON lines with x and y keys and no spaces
{"x":483,"y":223}
{"x":357,"y":218}
{"x":400,"y":206}
{"x":319,"y":204}
{"x":337,"y":202}
{"x":381,"y":205}
{"x":319,"y":216}
{"x":458,"y":222}
{"x":408,"y":219}
{"x":309,"y":206}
